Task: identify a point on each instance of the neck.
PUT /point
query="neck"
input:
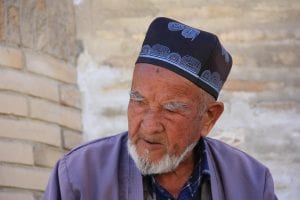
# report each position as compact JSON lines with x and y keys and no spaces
{"x":173,"y":181}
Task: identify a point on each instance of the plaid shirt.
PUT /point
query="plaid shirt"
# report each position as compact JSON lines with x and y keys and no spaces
{"x":191,"y":189}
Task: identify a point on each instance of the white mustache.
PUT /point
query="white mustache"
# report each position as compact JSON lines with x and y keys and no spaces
{"x":154,"y":140}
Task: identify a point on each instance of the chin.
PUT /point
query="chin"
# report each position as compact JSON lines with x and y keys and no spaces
{"x":165,"y":164}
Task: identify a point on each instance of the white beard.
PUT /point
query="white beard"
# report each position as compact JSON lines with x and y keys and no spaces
{"x":166,"y":164}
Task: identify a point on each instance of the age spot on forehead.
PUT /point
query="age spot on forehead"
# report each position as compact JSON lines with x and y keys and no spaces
{"x":157,"y":70}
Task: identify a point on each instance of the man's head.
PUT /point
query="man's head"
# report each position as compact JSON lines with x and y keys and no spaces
{"x":166,"y":114}
{"x":176,"y":81}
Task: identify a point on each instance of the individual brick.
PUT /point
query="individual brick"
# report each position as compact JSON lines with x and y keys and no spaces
{"x":31,"y":130}
{"x":278,"y":106}
{"x":16,"y":152}
{"x":24,"y":177}
{"x":2,"y":35}
{"x":28,"y":23}
{"x":255,"y":35}
{"x":235,"y":85}
{"x":52,"y":112}
{"x":71,"y":139}
{"x":70,"y":95}
{"x":16,"y":195}
{"x":265,"y":55}
{"x":46,"y":156}
{"x":11,"y":57}
{"x":29,"y":84}
{"x":51,"y":67}
{"x":61,"y":42}
{"x":13,"y":104}
{"x":12,"y":23}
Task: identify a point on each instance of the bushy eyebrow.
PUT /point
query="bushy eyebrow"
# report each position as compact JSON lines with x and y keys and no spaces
{"x":133,"y":94}
{"x":175,"y":106}
{"x":172,"y":105}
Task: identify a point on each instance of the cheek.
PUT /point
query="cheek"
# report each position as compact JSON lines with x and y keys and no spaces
{"x":133,"y":121}
{"x":176,"y":137}
{"x":181,"y":134}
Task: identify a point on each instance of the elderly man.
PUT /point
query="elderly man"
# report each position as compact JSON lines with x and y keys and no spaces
{"x":166,"y":154}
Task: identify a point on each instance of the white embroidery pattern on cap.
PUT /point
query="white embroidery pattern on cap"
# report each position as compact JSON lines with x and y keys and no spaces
{"x":186,"y":31}
{"x":186,"y":63}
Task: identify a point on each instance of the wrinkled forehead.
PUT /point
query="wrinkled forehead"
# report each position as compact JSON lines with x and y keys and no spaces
{"x":158,"y":74}
{"x":156,"y":78}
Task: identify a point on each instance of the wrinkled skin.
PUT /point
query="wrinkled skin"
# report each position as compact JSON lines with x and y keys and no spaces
{"x":166,"y":113}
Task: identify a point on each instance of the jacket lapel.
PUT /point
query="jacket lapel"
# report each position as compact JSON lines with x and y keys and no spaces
{"x":216,"y":184}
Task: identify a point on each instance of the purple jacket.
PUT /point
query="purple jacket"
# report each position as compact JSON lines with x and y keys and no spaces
{"x":103,"y":170}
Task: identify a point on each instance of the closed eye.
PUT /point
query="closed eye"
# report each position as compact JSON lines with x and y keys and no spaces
{"x":137,"y":101}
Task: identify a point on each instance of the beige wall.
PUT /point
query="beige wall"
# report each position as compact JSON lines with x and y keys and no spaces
{"x":262,"y":95}
{"x":40,"y":114}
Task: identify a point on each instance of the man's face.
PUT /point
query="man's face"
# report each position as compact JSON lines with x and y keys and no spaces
{"x":164,"y":113}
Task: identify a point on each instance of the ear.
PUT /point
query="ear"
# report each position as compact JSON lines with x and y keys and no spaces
{"x":210,"y":117}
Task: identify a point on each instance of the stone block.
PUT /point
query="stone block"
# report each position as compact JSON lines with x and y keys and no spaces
{"x":72,"y":139}
{"x":27,"y":23}
{"x":61,"y":30}
{"x":16,"y":152}
{"x":11,"y":57}
{"x":255,"y":35}
{"x":267,"y":55}
{"x":46,"y":156}
{"x":259,"y":73}
{"x":51,"y":67}
{"x":286,"y":147}
{"x":34,"y":25}
{"x":16,"y":195}
{"x":288,"y":95}
{"x":124,"y":9}
{"x":212,"y":11}
{"x":70,"y":95}
{"x":2,"y":24}
{"x":267,"y":13}
{"x":279,"y":106}
{"x":30,"y":130}
{"x":235,"y":85}
{"x":13,"y":104}
{"x":12,"y":27}
{"x":49,"y":27}
{"x":286,"y":57}
{"x":41,"y":25}
{"x":29,"y":83}
{"x":24,"y":177}
{"x":52,"y":112}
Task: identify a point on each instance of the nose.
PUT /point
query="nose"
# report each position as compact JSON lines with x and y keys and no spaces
{"x":151,"y":122}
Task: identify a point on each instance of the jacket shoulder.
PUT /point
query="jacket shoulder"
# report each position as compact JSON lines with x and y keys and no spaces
{"x":96,"y":164}
{"x":218,"y":147}
{"x":98,"y":145}
{"x":241,"y":175}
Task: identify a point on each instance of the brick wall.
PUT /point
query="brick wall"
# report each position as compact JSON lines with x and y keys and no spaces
{"x":262,"y":95}
{"x":40,"y":109}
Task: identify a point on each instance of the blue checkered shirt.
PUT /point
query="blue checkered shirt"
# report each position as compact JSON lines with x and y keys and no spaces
{"x":191,"y":189}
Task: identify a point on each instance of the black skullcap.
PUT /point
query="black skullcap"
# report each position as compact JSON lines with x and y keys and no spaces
{"x":192,"y":53}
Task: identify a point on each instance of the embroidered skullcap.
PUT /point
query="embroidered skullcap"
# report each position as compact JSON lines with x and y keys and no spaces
{"x":192,"y":53}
